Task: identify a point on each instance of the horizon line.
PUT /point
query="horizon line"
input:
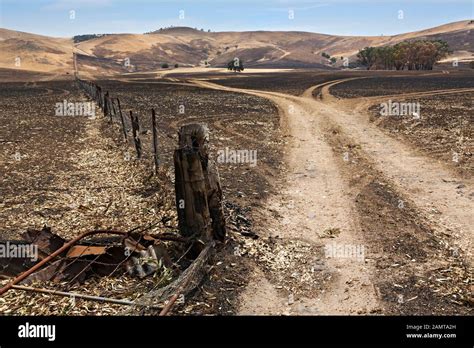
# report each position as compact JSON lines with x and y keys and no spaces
{"x":156,"y":31}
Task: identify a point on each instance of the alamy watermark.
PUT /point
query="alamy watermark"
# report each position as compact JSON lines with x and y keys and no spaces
{"x":23,"y":251}
{"x":75,"y":109}
{"x":400,"y":109}
{"x":28,"y":330}
{"x":345,"y":251}
{"x":237,"y":156}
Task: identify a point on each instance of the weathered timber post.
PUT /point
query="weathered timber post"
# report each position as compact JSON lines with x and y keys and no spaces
{"x":136,"y":134}
{"x":106,"y":105}
{"x":197,"y":185}
{"x":124,"y":129}
{"x":155,"y":140}
{"x":191,"y":194}
{"x":99,"y":96}
{"x":113,"y":109}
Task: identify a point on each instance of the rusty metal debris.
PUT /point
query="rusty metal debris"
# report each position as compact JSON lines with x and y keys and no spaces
{"x":61,"y":260}
{"x":85,"y":250}
{"x":50,"y":257}
{"x":46,"y":241}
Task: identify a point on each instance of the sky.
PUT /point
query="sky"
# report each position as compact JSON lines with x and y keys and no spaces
{"x":66,"y":18}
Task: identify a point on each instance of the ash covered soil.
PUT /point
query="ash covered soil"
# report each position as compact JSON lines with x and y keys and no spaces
{"x":444,"y":129}
{"x":75,"y":174}
{"x":379,"y":84}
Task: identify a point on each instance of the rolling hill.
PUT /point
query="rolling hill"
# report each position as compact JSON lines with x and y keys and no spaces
{"x":187,"y":47}
{"x":19,"y":50}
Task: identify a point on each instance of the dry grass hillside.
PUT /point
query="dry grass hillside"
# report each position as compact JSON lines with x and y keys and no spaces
{"x":189,"y":47}
{"x":35,"y":52}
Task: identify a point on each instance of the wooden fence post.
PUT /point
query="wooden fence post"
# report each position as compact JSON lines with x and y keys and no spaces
{"x":113,"y":113}
{"x":155,"y":140}
{"x":198,"y":191}
{"x":99,"y":96}
{"x":124,"y":129}
{"x":106,"y":105}
{"x":136,"y":134}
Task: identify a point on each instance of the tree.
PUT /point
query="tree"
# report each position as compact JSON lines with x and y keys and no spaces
{"x":325,"y":55}
{"x":384,"y":57}
{"x":176,"y":65}
{"x":333,"y":60}
{"x":235,"y":65}
{"x":367,"y":57}
{"x":399,"y":57}
{"x":414,"y":55}
{"x":164,"y":66}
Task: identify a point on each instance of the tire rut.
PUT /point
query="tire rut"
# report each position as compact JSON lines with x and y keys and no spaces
{"x":314,"y":200}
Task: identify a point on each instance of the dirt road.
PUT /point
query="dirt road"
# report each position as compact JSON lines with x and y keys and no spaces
{"x":323,"y":195}
{"x":432,"y":186}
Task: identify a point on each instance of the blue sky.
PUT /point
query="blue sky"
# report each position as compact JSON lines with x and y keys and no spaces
{"x":340,"y":17}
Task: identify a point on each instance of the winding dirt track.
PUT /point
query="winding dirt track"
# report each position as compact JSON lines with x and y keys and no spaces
{"x":430,"y":185}
{"x":315,"y":187}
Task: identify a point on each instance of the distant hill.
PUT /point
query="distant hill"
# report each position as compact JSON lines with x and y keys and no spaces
{"x":190,"y":47}
{"x":34,"y":52}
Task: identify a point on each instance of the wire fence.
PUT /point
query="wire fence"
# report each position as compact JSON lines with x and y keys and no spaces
{"x":129,"y":124}
{"x":129,"y":255}
{"x":135,"y":253}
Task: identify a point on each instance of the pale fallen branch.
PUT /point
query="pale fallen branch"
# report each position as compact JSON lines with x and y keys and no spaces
{"x":183,"y":285}
{"x":83,"y":296}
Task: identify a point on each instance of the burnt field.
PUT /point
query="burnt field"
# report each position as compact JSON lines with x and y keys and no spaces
{"x":236,"y":121}
{"x":295,"y":82}
{"x":444,"y":131}
{"x":65,"y":172}
{"x":374,"y":83}
{"x":37,"y":148}
{"x":444,"y":127}
{"x":75,"y":174}
{"x":414,"y":82}
{"x":16,"y":75}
